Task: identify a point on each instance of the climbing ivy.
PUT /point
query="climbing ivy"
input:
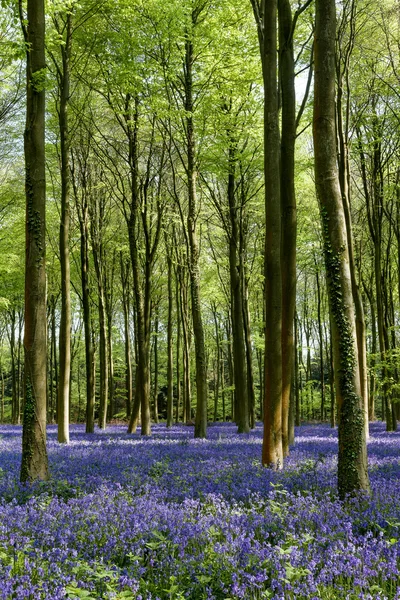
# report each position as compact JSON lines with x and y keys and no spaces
{"x":29,"y":424}
{"x":351,"y":418}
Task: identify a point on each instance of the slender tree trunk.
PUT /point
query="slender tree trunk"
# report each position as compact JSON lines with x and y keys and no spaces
{"x":321,"y":345}
{"x":142,"y":289}
{"x":272,"y":452}
{"x":249,"y":356}
{"x":65,"y":323}
{"x":352,"y":460}
{"x":342,"y":70}
{"x":170,"y":363}
{"x":187,"y":416}
{"x":217,"y":363}
{"x":2,"y":396}
{"x":374,"y":349}
{"x":34,"y":464}
{"x":178,"y":349}
{"x":97,"y":215}
{"x":230,"y":366}
{"x":297,"y":419}
{"x":200,"y":430}
{"x":87,"y":319}
{"x":103,"y":347}
{"x":50,"y":391}
{"x":155,"y":347}
{"x":109,"y":305}
{"x":20,"y":374}
{"x":14,"y":391}
{"x":237,"y":312}
{"x":111,"y":405}
{"x":128,"y":354}
{"x":288,"y":206}
{"x":223,"y":389}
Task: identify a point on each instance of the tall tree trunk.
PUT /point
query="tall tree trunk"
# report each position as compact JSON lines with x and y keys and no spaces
{"x":155,"y":348}
{"x":321,"y":343}
{"x":288,"y":206}
{"x":34,"y":464}
{"x":374,"y":196}
{"x":187,"y":416}
{"x":65,"y":322}
{"x":237,"y":312}
{"x":2,"y":395}
{"x":200,"y":430}
{"x":170,"y":358}
{"x":217,"y":362}
{"x":249,"y":355}
{"x":55,"y":357}
{"x":344,"y":52}
{"x":272,"y":450}
{"x":297,"y":419}
{"x":87,"y":317}
{"x":128,"y":359}
{"x":14,"y":390}
{"x":135,"y":212}
{"x":230,"y":365}
{"x":178,"y":349}
{"x":352,"y":459}
{"x":20,"y":374}
{"x":372,"y":389}
{"x":109,"y":304}
{"x":98,"y":255}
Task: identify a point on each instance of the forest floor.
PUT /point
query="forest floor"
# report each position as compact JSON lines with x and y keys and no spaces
{"x":169,"y":518}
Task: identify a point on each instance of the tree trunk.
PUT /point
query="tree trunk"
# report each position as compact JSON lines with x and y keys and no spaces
{"x":272,"y":452}
{"x":297,"y":419}
{"x":217,"y":363}
{"x":352,"y":459}
{"x":249,"y":355}
{"x":65,"y":322}
{"x":55,"y":359}
{"x":288,"y":206}
{"x":237,"y":312}
{"x":128,"y":359}
{"x":87,"y":317}
{"x":155,"y":348}
{"x":109,"y":305}
{"x":187,"y":416}
{"x":2,"y":396}
{"x":178,"y":349}
{"x":342,"y":68}
{"x":170,"y":358}
{"x":34,"y":464}
{"x":14,"y":390}
{"x":200,"y":430}
{"x":321,"y":344}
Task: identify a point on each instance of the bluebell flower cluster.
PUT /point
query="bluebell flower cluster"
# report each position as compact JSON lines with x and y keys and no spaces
{"x":170,"y":517}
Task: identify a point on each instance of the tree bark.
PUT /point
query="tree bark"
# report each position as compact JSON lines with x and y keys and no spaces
{"x":34,"y":464}
{"x":155,"y":349}
{"x":97,"y":214}
{"x":65,"y":322}
{"x":237,"y":312}
{"x":272,"y":452}
{"x":142,"y":297}
{"x":288,"y":206}
{"x":82,"y":211}
{"x":128,"y":354}
{"x":170,"y":358}
{"x":352,"y":459}
{"x":200,"y":429}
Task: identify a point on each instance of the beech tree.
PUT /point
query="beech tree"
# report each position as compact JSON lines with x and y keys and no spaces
{"x":34,"y":463}
{"x":352,"y":459}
